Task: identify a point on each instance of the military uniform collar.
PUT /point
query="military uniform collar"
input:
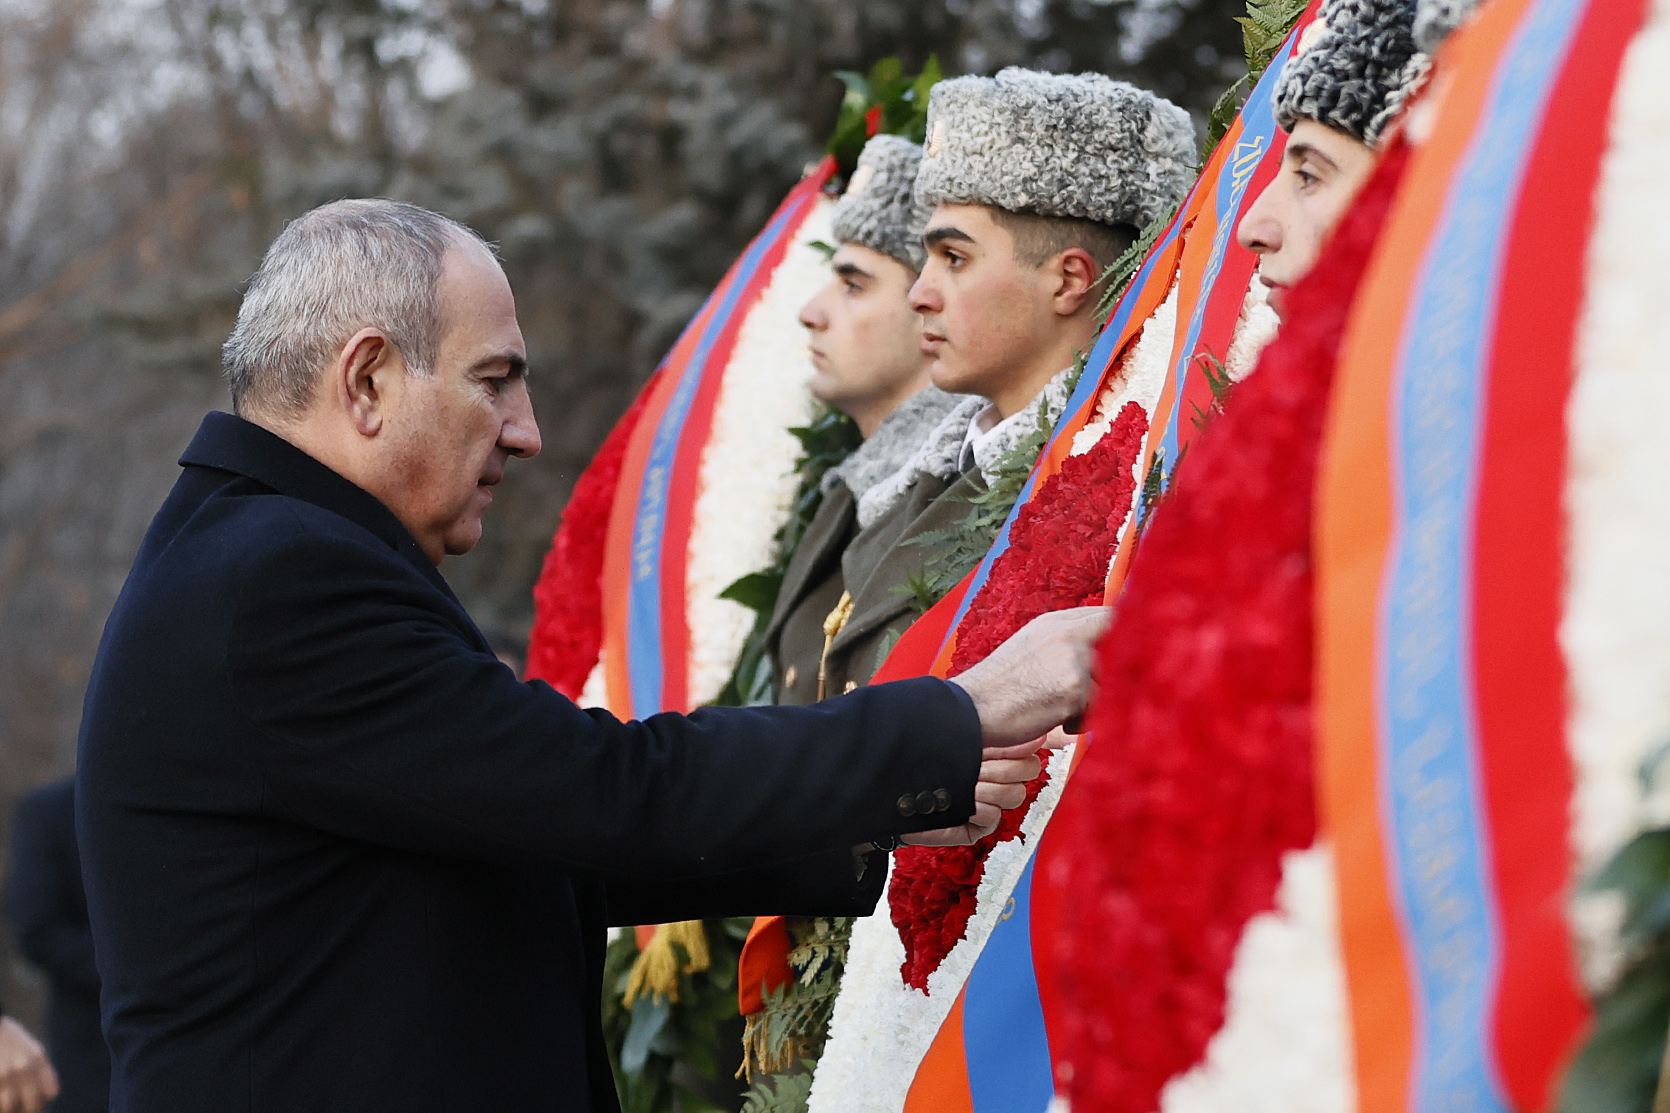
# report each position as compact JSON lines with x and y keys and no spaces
{"x":894,"y":443}
{"x":991,"y":437}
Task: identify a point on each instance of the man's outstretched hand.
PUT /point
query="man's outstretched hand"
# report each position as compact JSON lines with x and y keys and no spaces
{"x":27,"y":1081}
{"x":1036,"y":680}
{"x":1023,"y":691}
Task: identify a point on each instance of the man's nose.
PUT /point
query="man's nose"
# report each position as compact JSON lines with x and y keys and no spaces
{"x":813,"y":317}
{"x":1259,"y":231}
{"x":519,"y":435}
{"x":924,"y":295}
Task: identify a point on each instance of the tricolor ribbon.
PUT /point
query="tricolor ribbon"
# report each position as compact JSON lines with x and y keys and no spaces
{"x":1445,"y":779}
{"x":646,"y":634}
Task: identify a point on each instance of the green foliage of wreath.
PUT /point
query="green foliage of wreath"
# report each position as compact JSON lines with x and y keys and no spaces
{"x":1263,"y":29}
{"x":1621,"y":1068}
{"x":669,"y":1054}
{"x":795,"y":1020}
{"x":1158,"y":482}
{"x":902,"y":99}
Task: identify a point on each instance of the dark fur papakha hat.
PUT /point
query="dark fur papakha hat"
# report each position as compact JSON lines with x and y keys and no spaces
{"x":1352,"y":68}
{"x":879,"y":209}
{"x":1082,"y":146}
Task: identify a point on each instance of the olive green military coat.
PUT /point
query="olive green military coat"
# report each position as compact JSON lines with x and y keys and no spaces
{"x":812,"y":586}
{"x":815,"y":579}
{"x":877,"y":567}
{"x":880,"y":562}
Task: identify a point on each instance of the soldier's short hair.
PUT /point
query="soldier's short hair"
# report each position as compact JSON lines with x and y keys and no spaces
{"x":1038,"y":239}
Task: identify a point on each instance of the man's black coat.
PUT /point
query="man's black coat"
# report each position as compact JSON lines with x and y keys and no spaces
{"x":338,"y":858}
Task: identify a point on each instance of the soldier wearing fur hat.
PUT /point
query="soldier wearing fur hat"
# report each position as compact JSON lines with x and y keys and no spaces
{"x":1349,"y":77}
{"x":1036,"y":183}
{"x":868,"y":360}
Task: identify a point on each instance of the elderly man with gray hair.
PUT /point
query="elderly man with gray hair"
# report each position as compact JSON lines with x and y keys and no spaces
{"x":337,"y":857}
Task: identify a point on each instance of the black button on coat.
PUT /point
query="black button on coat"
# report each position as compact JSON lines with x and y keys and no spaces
{"x":339,"y":860}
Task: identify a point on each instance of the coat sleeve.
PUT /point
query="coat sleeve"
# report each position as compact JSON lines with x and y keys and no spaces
{"x":48,"y":909}
{"x":373,"y":715}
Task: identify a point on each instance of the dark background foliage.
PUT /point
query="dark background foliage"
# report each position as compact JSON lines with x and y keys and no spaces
{"x":621,"y":152}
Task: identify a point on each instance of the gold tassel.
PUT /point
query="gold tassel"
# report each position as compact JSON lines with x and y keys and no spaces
{"x":656,"y":969}
{"x":832,"y":627}
{"x":692,"y":936}
{"x":756,"y":1048}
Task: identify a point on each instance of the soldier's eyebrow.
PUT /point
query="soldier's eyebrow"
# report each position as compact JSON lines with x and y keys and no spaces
{"x":1299,"y":152}
{"x":944,"y":232}
{"x":852,"y":270}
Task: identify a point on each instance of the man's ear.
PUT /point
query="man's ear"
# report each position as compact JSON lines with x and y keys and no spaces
{"x":1076,"y":273}
{"x":363,"y":374}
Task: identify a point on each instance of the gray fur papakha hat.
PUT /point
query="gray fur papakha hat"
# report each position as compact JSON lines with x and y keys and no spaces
{"x":1434,"y":19}
{"x":879,"y":209}
{"x":1352,"y":68}
{"x":1082,"y":146}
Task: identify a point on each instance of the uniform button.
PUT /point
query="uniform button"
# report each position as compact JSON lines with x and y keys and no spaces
{"x":790,"y":675}
{"x":925,"y":803}
{"x":907,"y":805}
{"x":942,"y":800}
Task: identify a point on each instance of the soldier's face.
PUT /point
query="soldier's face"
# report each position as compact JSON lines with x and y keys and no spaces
{"x":454,"y":430}
{"x":864,"y":337}
{"x":1290,"y":222}
{"x":985,"y":315}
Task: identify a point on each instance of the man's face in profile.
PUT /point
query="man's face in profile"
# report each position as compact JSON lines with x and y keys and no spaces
{"x":457,"y":428}
{"x":1290,"y":222}
{"x":865,"y":339}
{"x":984,"y":313}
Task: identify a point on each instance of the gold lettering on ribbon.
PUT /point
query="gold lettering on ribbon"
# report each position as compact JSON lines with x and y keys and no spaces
{"x":1248,"y":153}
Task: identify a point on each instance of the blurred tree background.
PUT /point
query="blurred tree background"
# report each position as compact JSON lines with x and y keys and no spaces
{"x":620,"y":151}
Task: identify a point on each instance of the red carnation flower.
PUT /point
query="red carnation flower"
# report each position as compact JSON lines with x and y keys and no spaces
{"x":1060,"y":546}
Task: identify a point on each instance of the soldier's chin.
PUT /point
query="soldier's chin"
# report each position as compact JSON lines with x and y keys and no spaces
{"x":823,"y":386}
{"x":832,"y":391}
{"x":950,"y":378}
{"x":1277,"y":299}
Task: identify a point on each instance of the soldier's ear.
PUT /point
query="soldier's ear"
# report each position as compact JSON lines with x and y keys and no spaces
{"x":1075,"y":273}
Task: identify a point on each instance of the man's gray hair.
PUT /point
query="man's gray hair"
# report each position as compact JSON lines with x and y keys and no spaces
{"x":334,"y":270}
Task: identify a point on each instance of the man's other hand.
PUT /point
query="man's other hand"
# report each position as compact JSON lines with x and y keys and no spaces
{"x":27,"y":1080}
{"x":1036,"y":680}
{"x":1004,"y":772}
